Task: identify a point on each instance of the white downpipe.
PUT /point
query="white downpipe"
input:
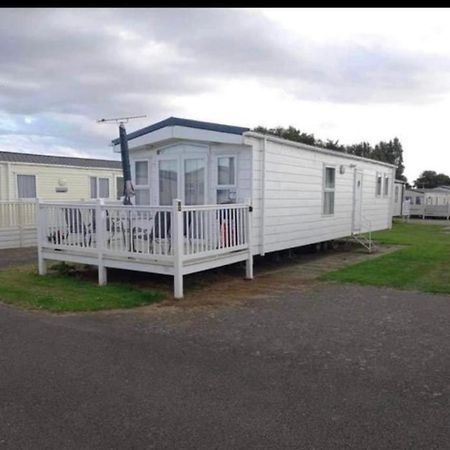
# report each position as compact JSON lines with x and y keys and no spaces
{"x":263,"y":198}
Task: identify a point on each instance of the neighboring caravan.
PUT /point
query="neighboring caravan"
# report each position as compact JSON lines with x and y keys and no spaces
{"x":433,"y":202}
{"x":25,"y":176}
{"x":295,"y":194}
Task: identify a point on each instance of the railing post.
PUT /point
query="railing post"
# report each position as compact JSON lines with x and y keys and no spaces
{"x":178,"y":248}
{"x":249,"y":231}
{"x":20,"y":221}
{"x":100,"y":227}
{"x":42,"y":263}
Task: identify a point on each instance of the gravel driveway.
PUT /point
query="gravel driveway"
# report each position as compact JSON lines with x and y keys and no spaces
{"x":328,"y":367}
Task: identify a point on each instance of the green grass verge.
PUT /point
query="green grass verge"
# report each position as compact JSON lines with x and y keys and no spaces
{"x":58,"y":292}
{"x":423,"y":265}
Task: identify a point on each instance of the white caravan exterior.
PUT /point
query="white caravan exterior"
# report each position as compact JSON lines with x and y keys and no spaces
{"x":208,"y":195}
{"x":284,"y":181}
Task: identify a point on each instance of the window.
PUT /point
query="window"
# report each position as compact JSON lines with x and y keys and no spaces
{"x":141,"y":173}
{"x":99,"y":187}
{"x":103,"y":187}
{"x":26,"y":186}
{"x":194,"y":181}
{"x":226,"y":179}
{"x":396,"y":194}
{"x":386,"y":186}
{"x":142,"y":187}
{"x":168,"y":181}
{"x":119,"y":187}
{"x":329,"y":190}
{"x":418,"y":200}
{"x":142,"y":197}
{"x":378,"y":186}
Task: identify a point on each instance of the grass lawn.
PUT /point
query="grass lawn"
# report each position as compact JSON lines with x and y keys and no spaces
{"x":423,"y":265}
{"x":64,"y":292}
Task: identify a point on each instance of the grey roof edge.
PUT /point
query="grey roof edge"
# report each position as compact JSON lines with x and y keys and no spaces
{"x":35,"y":158}
{"x":177,"y":121}
{"x":316,"y":149}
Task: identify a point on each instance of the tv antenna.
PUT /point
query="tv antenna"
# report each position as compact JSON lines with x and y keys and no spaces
{"x":128,"y":188}
{"x":121,"y":119}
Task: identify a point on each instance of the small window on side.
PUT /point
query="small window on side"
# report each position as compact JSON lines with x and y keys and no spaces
{"x":329,"y":190}
{"x":379,"y":182}
{"x":386,"y":186}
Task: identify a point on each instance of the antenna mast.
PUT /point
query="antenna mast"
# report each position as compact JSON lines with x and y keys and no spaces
{"x":128,"y":188}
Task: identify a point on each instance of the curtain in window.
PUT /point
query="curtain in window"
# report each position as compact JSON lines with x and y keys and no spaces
{"x":93,"y":181}
{"x":168,"y":181}
{"x":386,"y":186}
{"x":379,"y":182}
{"x":330,"y":182}
{"x":103,"y":187}
{"x":225,"y":171}
{"x":119,"y":187}
{"x":194,"y":181}
{"x":330,"y":177}
{"x":141,"y":173}
{"x":142,"y":197}
{"x":26,"y":186}
{"x":328,"y":207}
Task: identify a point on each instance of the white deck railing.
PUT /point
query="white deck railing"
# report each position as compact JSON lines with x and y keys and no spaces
{"x":175,"y":235}
{"x":17,"y":213}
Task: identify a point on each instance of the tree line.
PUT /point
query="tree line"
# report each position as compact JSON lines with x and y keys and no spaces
{"x":389,"y":152}
{"x":386,"y":151}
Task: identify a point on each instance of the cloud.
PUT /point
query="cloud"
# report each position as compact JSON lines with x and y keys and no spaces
{"x":62,"y":69}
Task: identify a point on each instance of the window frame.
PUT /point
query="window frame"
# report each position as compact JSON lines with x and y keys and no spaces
{"x":226,"y":187}
{"x":35,"y":185}
{"x":379,"y":176}
{"x":97,"y":187}
{"x":142,"y":187}
{"x":396,"y":193}
{"x":119,"y":195}
{"x":327,"y":189}
{"x":386,"y":183}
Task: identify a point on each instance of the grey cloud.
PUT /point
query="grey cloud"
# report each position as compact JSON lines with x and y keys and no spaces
{"x":74,"y":62}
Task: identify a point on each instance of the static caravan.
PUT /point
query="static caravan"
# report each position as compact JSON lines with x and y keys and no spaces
{"x":433,"y":202}
{"x":25,"y":176}
{"x":209,"y":194}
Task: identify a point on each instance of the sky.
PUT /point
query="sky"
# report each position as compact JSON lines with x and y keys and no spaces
{"x":344,"y":74}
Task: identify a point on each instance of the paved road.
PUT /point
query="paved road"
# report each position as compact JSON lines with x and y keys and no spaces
{"x":335,"y":367}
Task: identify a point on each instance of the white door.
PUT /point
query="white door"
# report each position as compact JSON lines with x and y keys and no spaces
{"x":357,"y":202}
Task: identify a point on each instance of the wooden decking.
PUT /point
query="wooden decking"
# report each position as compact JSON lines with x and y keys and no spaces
{"x":176,"y":240}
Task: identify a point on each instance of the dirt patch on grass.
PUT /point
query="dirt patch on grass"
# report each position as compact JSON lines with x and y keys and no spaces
{"x":275,"y":274}
{"x":294,"y":270}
